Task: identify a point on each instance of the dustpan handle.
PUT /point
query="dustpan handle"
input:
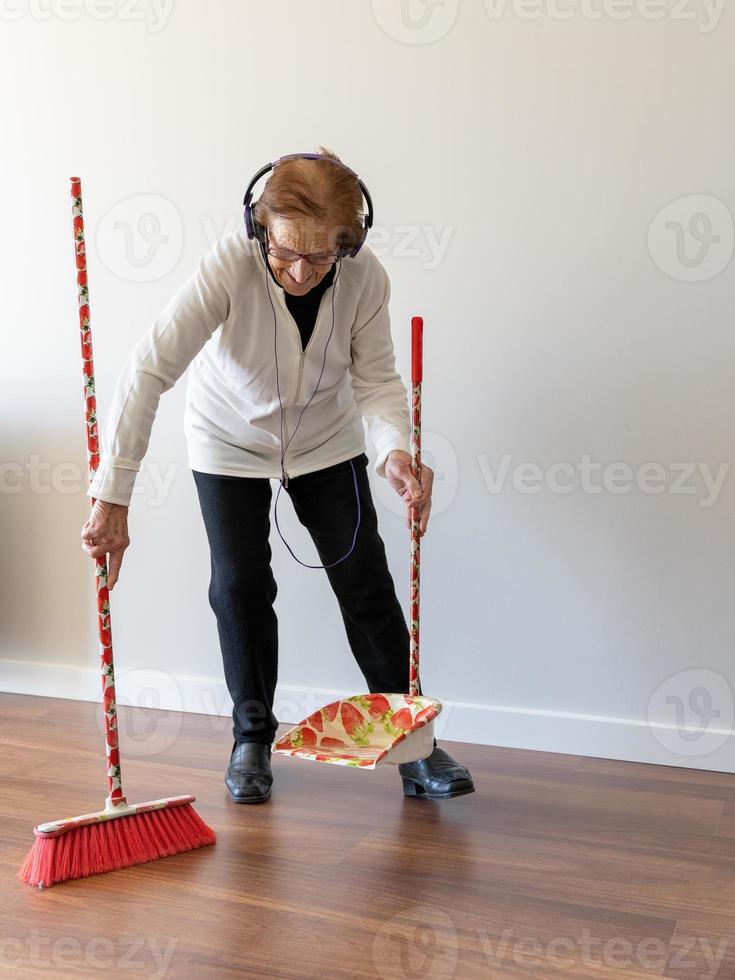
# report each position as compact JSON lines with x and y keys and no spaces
{"x":417,"y":363}
{"x":104,"y":630}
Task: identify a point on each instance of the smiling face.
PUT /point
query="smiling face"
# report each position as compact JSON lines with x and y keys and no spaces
{"x":307,"y":238}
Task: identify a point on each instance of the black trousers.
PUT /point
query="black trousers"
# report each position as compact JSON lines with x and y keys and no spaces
{"x":242,"y":588}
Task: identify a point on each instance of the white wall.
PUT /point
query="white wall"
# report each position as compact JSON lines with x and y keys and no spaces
{"x":540,"y":150}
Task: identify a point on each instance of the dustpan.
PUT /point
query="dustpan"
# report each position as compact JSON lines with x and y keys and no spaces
{"x":367,"y":730}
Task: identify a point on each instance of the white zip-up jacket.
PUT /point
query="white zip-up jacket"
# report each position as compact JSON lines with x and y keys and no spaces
{"x":221,"y":323}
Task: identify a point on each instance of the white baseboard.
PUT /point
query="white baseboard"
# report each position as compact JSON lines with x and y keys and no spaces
{"x":597,"y":736}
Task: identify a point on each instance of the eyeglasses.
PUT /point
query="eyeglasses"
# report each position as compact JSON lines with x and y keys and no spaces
{"x":288,"y":257}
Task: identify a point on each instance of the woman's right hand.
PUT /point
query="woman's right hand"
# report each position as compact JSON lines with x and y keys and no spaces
{"x":106,"y":533}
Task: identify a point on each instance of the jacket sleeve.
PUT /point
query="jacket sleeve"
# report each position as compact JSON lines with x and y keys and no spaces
{"x":380,"y":394}
{"x":156,"y":362}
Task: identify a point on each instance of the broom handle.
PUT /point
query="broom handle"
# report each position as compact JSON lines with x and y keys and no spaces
{"x":417,"y":359}
{"x":104,"y":630}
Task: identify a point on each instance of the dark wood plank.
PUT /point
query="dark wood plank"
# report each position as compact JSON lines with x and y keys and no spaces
{"x":703,"y":946}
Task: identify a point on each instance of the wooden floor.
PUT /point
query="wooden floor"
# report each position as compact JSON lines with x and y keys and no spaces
{"x":558,"y":866}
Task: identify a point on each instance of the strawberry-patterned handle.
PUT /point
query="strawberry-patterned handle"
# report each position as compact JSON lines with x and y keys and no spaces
{"x":104,"y":630}
{"x":417,"y":353}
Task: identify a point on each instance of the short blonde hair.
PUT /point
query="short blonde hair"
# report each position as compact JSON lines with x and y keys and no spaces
{"x":315,"y":189}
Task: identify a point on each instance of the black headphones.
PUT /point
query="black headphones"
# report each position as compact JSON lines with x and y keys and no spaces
{"x":258,"y":231}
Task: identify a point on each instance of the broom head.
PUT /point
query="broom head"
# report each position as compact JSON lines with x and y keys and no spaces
{"x":117,"y":837}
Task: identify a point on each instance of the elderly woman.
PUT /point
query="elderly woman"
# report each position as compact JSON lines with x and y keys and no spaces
{"x":286,"y":327}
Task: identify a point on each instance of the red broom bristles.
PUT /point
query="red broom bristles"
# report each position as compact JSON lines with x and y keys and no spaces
{"x":114,"y":843}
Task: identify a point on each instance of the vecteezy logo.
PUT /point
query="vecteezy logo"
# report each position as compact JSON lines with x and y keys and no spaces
{"x":419,"y":943}
{"x":140,"y":239}
{"x":156,"y":723}
{"x":691,"y":713}
{"x":415,"y":21}
{"x":691,"y":239}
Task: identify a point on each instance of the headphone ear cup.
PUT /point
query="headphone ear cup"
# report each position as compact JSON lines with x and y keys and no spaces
{"x":258,"y":231}
{"x":251,"y":225}
{"x":253,"y":229}
{"x":356,"y":248}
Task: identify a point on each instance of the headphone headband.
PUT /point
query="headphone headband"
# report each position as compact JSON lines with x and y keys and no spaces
{"x":257,"y":231}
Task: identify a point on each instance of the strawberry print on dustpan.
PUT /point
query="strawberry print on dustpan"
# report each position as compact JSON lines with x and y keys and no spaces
{"x":358,"y":731}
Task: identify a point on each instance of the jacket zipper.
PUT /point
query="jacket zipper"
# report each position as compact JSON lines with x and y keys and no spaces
{"x":301,"y":371}
{"x":298,"y":392}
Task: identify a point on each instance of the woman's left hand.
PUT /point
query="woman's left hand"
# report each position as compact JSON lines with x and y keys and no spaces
{"x":414,"y":494}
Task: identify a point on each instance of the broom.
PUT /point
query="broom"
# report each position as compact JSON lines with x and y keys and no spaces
{"x":122,"y":834}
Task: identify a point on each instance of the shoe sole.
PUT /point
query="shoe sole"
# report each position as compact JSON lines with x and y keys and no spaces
{"x":412,"y":788}
{"x":250,"y":799}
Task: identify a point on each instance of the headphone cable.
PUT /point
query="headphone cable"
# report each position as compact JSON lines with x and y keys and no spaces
{"x":284,"y":448}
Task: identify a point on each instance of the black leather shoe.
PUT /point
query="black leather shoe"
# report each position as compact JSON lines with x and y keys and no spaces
{"x":249,"y":777}
{"x":437,"y":777}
